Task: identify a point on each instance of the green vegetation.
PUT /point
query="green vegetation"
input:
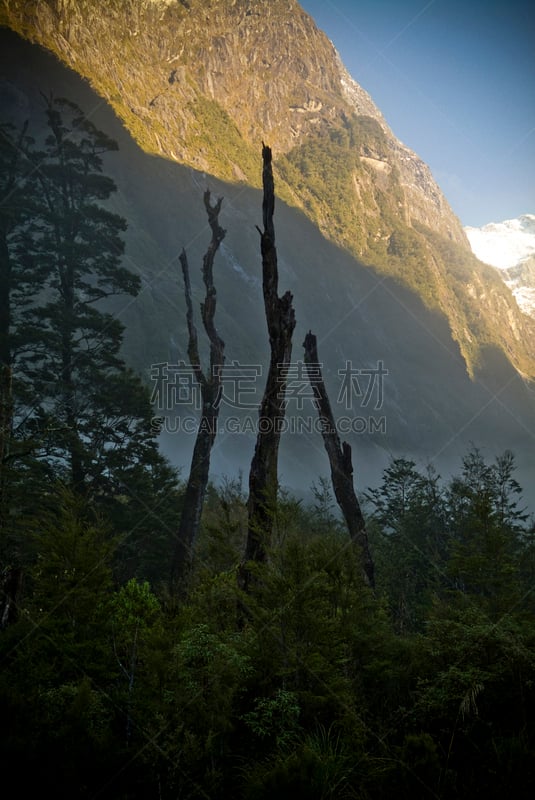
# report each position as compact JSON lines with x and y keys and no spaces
{"x":342,"y":171}
{"x":360,"y":207}
{"x":324,"y":171}
{"x":469,"y":290}
{"x":72,"y":413}
{"x":309,"y":686}
{"x":214,"y":126}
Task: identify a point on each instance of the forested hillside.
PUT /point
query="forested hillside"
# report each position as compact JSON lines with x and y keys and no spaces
{"x":195,"y":330}
{"x":307,"y":680}
{"x":309,"y":686}
{"x":202,"y":84}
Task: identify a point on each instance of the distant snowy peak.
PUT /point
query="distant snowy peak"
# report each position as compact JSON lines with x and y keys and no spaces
{"x":510,"y":246}
{"x":504,"y":244}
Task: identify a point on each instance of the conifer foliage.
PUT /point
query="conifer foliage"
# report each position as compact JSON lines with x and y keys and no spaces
{"x":110,"y":685}
{"x":72,"y":412}
{"x":80,"y":387}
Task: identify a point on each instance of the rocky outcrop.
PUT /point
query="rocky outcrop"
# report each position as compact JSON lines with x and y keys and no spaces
{"x":425,"y":202}
{"x":431,"y":408}
{"x":204,"y":82}
{"x":182,"y":73}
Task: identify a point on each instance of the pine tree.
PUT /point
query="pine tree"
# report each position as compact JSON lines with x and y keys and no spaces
{"x":74,"y":365}
{"x":20,"y":280}
{"x":78,"y":414}
{"x":486,"y":528}
{"x":409,"y":540}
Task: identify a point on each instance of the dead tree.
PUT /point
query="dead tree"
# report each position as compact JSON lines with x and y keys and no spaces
{"x":280,"y":317}
{"x":210,"y":385}
{"x":339,"y":459}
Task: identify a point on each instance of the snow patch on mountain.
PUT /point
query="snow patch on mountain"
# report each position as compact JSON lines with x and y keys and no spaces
{"x":509,"y":246}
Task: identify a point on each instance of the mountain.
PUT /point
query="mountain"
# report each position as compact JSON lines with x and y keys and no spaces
{"x":510,"y":246}
{"x":380,"y":267}
{"x":203,"y":82}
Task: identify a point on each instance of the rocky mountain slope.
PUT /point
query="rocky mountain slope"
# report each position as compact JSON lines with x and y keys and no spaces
{"x":185,"y":76}
{"x":202,"y":82}
{"x":366,"y":309}
{"x":510,"y":246}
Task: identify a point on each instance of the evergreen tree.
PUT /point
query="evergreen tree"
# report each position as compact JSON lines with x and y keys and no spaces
{"x":486,"y":532}
{"x":78,"y":415}
{"x":74,"y":365}
{"x":409,"y":540}
{"x":20,"y":280}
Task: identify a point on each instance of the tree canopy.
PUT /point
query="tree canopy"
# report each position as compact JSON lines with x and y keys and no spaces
{"x":111,"y":686}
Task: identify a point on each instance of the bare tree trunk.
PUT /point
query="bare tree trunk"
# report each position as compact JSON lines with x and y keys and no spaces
{"x":210,"y":391}
{"x":339,"y":459}
{"x":280,"y":317}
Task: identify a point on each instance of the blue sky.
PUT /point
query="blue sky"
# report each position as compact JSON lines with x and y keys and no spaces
{"x":455,"y":81}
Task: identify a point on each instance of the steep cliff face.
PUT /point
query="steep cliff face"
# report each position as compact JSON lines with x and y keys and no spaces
{"x":203,"y":82}
{"x":171,"y":68}
{"x":424,"y":200}
{"x":363,"y":316}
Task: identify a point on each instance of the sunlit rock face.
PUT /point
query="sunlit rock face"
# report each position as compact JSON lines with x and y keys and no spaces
{"x":380,"y":268}
{"x":183,"y":74}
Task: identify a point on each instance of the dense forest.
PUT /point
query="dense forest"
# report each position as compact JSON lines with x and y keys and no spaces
{"x":117,"y":681}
